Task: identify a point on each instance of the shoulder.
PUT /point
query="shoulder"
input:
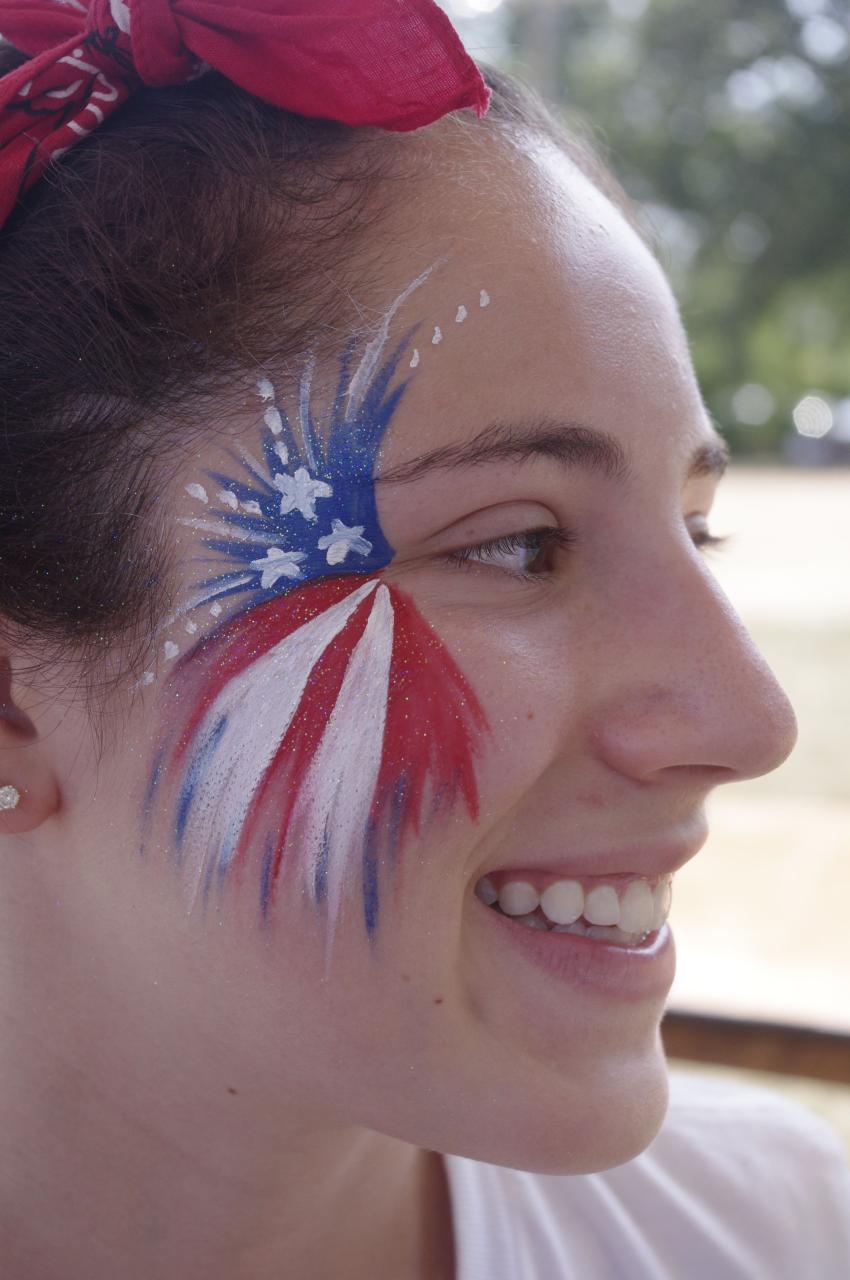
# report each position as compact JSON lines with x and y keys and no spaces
{"x":744,"y":1171}
{"x":728,"y":1119}
{"x":739,"y":1183}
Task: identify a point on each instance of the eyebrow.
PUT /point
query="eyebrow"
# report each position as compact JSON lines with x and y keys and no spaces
{"x":568,"y":443}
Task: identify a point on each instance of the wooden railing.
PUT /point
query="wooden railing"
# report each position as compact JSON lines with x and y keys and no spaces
{"x":758,"y":1046}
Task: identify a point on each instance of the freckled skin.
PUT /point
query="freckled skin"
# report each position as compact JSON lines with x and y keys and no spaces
{"x":621,"y":689}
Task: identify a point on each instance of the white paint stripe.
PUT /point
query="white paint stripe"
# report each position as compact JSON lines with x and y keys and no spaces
{"x":70,"y":61}
{"x":106,"y":92}
{"x":304,"y":412}
{"x":63,"y":93}
{"x":225,"y":530}
{"x":363,"y":373}
{"x":259,"y":704}
{"x":120,"y":11}
{"x":333,"y":809}
{"x":253,"y":465}
{"x":196,"y":601}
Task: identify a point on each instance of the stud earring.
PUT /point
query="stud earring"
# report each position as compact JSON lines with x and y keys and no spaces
{"x":10,"y":797}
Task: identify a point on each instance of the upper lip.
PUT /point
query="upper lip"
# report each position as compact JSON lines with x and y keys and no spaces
{"x":649,"y":860}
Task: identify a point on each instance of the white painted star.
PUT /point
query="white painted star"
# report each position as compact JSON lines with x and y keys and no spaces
{"x":343,"y":539}
{"x":300,"y":493}
{"x":278,"y":564}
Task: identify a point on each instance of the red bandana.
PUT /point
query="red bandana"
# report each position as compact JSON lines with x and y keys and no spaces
{"x":397,"y":64}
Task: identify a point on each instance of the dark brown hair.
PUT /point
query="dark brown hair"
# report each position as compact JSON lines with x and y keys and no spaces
{"x":191,"y":240}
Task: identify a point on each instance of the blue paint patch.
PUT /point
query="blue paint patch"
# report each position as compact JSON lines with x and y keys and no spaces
{"x":200,"y":761}
{"x":370,"y":882}
{"x":397,"y":805}
{"x":265,"y":879}
{"x":208,"y":875}
{"x":153,"y":783}
{"x":340,"y":454}
{"x":320,"y":880}
{"x":226,"y":852}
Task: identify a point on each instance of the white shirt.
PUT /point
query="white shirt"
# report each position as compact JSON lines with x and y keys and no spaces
{"x":740,"y":1184}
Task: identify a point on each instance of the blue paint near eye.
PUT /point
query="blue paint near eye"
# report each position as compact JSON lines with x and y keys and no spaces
{"x":318,"y":506}
{"x":200,"y":761}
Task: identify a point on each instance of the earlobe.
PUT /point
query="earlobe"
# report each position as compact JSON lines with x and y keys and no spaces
{"x":24,"y":808}
{"x":29,"y":791}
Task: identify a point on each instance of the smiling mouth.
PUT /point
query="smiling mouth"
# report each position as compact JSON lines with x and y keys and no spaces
{"x":626,"y":914}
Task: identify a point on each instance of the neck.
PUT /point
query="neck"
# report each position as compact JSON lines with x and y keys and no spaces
{"x":129,"y":1152}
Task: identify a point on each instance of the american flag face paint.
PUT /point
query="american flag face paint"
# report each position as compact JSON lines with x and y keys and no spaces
{"x":322,"y":722}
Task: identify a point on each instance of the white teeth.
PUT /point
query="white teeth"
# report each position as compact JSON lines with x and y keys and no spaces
{"x":662,"y":897}
{"x":637,"y":907}
{"x":602,"y":906}
{"x":518,"y":898}
{"x":600,"y":913}
{"x":486,"y":891}
{"x":563,"y":901}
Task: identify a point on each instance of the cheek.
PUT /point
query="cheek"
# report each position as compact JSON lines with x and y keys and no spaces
{"x":313,"y":737}
{"x":528,"y":688}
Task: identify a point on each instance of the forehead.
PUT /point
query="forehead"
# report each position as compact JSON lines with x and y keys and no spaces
{"x":580,"y":323}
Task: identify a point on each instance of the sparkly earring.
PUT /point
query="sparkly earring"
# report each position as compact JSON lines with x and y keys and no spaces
{"x":10,"y":797}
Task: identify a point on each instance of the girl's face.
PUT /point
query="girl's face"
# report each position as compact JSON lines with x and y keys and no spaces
{"x":440,"y":614}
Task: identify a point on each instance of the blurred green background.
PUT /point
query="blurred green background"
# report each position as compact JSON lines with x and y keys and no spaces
{"x":729,"y":123}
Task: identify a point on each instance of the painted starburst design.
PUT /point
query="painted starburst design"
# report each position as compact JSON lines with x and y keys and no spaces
{"x":304,"y":506}
{"x":322,"y":721}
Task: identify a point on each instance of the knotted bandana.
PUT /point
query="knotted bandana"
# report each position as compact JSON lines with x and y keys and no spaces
{"x":396,"y":64}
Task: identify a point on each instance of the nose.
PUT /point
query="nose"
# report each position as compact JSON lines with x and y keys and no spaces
{"x":691,"y":689}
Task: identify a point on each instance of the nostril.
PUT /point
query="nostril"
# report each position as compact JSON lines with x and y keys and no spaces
{"x":709,"y":774}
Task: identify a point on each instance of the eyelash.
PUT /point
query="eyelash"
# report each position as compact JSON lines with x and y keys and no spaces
{"x":546,"y":538}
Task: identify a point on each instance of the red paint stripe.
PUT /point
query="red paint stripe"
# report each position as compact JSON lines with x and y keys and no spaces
{"x":275,"y":799}
{"x":433,"y":726}
{"x":434,"y":722}
{"x":204,"y":671}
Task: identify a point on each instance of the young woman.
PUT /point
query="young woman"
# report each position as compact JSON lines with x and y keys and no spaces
{"x":356,"y":633}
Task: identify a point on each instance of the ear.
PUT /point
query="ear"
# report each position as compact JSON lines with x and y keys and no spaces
{"x":29,"y":789}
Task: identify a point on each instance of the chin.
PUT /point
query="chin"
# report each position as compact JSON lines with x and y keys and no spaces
{"x":605,"y":1120}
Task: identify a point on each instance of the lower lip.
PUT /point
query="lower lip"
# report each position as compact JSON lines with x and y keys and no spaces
{"x":618,"y":972}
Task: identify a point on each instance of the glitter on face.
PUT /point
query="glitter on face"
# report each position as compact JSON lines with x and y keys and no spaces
{"x":322,"y":722}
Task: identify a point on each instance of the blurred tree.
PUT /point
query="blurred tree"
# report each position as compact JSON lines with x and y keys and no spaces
{"x":729,"y":123}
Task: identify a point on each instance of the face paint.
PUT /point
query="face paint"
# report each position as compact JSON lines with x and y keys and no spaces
{"x":323,"y":722}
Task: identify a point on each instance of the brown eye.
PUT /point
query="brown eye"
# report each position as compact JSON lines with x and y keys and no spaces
{"x":702,"y":538}
{"x":528,"y":554}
